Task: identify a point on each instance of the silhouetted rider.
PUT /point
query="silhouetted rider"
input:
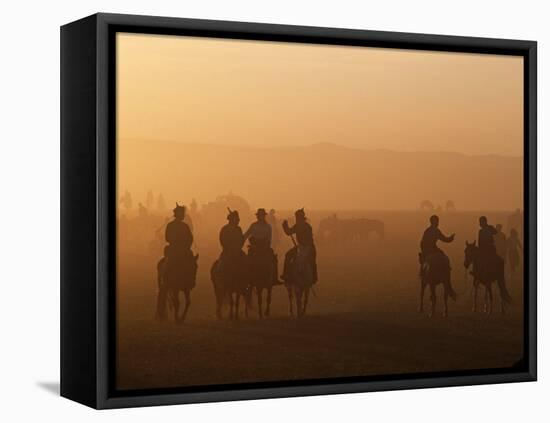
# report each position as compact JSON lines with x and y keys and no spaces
{"x":259,"y":236}
{"x":178,"y":234}
{"x":231,"y":235}
{"x":486,"y":237}
{"x":304,"y":237}
{"x":428,"y":244}
{"x":231,"y":239}
{"x":432,"y":258}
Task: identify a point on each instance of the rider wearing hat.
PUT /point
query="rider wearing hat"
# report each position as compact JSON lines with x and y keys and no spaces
{"x":180,"y":265}
{"x":178,"y":234}
{"x":232,"y":241}
{"x":259,"y":236}
{"x":304,"y":237}
{"x":259,"y":232}
{"x":231,"y":237}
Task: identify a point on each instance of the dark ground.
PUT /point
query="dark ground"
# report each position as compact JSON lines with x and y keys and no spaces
{"x":362,"y":321}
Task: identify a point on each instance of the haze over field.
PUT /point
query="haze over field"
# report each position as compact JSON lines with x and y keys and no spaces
{"x":357,"y":136}
{"x":320,"y":176}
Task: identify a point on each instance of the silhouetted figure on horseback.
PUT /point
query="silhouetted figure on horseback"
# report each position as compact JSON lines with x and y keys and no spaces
{"x":488,"y":266}
{"x":181,"y":264}
{"x":300,"y":269}
{"x":435,"y":267}
{"x":262,"y":261}
{"x":513,"y":247}
{"x":229,"y":273}
{"x":162,"y":296}
{"x":275,"y":231}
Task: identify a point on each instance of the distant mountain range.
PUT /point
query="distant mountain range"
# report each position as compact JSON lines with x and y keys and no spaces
{"x":320,"y":176}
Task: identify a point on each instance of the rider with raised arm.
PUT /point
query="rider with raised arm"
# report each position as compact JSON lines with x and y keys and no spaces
{"x":430,"y":253}
{"x":304,"y":238}
{"x":428,"y":244}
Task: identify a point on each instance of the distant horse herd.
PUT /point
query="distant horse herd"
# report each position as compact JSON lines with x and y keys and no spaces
{"x":346,"y":231}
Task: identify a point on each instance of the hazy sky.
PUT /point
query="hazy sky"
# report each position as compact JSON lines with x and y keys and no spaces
{"x":269,"y":94}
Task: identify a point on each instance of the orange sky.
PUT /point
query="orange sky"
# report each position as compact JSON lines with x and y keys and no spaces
{"x":215,"y":91}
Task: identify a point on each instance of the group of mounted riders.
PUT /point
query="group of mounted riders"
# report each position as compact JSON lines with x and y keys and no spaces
{"x":486,"y":259}
{"x":236,"y":274}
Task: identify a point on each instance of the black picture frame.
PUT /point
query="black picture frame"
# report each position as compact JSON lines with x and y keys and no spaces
{"x":88,"y":201}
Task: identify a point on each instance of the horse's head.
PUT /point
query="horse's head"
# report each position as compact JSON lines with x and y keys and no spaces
{"x":470,"y":253}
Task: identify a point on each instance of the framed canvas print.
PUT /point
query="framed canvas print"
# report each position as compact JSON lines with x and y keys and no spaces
{"x":255,"y":211}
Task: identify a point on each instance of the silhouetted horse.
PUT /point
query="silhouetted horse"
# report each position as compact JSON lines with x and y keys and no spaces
{"x":261,"y":266}
{"x":180,"y":274}
{"x":486,"y":272}
{"x":230,"y":284}
{"x":434,"y":270}
{"x":299,"y":280}
{"x":426,"y":205}
{"x":513,"y":258}
{"x":349,"y":230}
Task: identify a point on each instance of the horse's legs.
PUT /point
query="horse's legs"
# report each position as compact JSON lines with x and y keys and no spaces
{"x":230,"y":306}
{"x":490,"y":295}
{"x":268,"y":302}
{"x":260,"y":311}
{"x":445,"y":300}
{"x":306,"y":298}
{"x":219,"y":302}
{"x":422,"y":289}
{"x":218,"y":310}
{"x":187,"y":294}
{"x":502,"y":302}
{"x":299,"y":309}
{"x":474,"y":306}
{"x":290,"y":299}
{"x":502,"y":306}
{"x":433,"y":299}
{"x":246,"y":304}
{"x":176,"y":302}
{"x":237,"y":301}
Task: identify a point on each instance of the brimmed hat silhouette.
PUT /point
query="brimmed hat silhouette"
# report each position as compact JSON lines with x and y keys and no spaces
{"x":232,"y":214}
{"x":179,"y":209}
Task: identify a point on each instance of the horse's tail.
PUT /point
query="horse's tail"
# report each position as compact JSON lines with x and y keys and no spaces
{"x":501,"y":282}
{"x":504,"y":294}
{"x":214,"y":271}
{"x":451,"y":292}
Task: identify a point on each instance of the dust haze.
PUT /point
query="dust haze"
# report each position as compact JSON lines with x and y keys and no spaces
{"x":370,"y":143}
